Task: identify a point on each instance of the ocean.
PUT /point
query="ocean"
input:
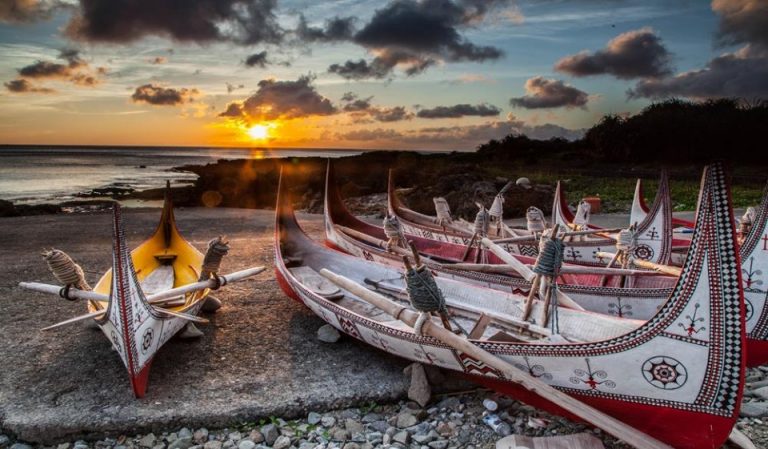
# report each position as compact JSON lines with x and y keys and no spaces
{"x":57,"y":174}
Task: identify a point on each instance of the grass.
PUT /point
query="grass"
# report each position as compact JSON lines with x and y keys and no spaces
{"x":616,"y":193}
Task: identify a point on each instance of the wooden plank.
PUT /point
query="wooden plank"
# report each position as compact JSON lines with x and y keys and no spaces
{"x":480,"y":326}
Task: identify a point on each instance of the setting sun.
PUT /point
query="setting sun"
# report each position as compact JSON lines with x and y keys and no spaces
{"x":258,"y":132}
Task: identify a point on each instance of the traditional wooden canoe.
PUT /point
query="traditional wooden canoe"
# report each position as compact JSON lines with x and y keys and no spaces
{"x":636,"y":296}
{"x":149,"y":294}
{"x":655,"y":241}
{"x":682,"y":389}
{"x":654,"y":233}
{"x":640,"y":209}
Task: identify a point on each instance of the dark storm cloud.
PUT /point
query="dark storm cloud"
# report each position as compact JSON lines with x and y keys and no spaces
{"x":741,"y":74}
{"x":232,"y":87}
{"x":257,"y":59}
{"x":550,"y":93}
{"x":336,"y":29}
{"x":22,"y":86}
{"x":418,"y":34}
{"x":282,"y":99}
{"x":163,"y":96}
{"x":362,"y":109}
{"x":634,"y":54}
{"x":742,"y":22}
{"x":460,"y":110}
{"x":241,"y":21}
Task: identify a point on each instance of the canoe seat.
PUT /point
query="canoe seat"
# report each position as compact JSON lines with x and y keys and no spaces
{"x":159,"y":280}
{"x":165,"y":257}
{"x":315,"y":282}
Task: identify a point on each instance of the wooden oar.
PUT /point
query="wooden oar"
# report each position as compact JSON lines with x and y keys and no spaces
{"x":665,"y":269}
{"x":571,"y":269}
{"x":157,"y":298}
{"x":527,"y":273}
{"x":95,"y":314}
{"x":609,"y":424}
{"x":185,"y":316}
{"x":527,"y":238}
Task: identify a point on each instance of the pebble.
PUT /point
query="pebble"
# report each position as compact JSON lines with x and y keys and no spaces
{"x":314,"y":418}
{"x":181,"y":443}
{"x":20,"y":446}
{"x":213,"y":444}
{"x":371,"y":418}
{"x":439,"y":444}
{"x":200,"y":436}
{"x":80,"y":444}
{"x":328,"y":334}
{"x":401,"y":437}
{"x":353,"y":426}
{"x":328,"y":421}
{"x":379,"y":426}
{"x":234,"y":436}
{"x":282,"y":442}
{"x":351,"y":446}
{"x":246,"y":444}
{"x":340,"y":435}
{"x":270,"y":433}
{"x":256,"y":436}
{"x":148,"y":440}
{"x":185,"y":433}
{"x":60,"y":446}
{"x":406,"y":420}
{"x":754,"y":409}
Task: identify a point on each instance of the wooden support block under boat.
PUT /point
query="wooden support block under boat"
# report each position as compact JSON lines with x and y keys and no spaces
{"x":611,"y":425}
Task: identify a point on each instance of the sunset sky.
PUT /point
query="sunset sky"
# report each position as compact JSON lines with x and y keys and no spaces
{"x":415,"y":74}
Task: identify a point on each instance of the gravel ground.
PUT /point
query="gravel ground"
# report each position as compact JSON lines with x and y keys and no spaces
{"x":259,"y":377}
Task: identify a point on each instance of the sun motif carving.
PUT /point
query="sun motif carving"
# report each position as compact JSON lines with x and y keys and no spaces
{"x":665,"y":373}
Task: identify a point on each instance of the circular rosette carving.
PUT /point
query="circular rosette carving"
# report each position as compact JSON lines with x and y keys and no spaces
{"x":665,"y":373}
{"x":146,"y":340}
{"x":749,"y":309}
{"x":643,"y":252}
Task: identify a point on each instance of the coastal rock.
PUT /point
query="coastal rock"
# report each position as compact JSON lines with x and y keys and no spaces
{"x":200,"y":436}
{"x":181,"y":443}
{"x":328,"y":334}
{"x":401,"y":437}
{"x":213,"y":444}
{"x":256,"y":436}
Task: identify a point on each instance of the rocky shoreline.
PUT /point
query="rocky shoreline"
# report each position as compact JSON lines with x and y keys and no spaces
{"x":449,"y":421}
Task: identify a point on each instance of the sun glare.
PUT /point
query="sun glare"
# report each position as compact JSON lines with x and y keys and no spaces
{"x":258,"y":132}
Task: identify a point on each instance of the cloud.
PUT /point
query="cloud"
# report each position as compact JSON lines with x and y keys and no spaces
{"x":417,"y":34}
{"x":22,"y":86}
{"x":550,"y":93}
{"x":257,"y":59}
{"x":244,"y":22}
{"x":634,"y":54}
{"x":23,"y":11}
{"x":361,"y":69}
{"x":282,"y":100}
{"x":460,"y":110}
{"x":76,"y":71}
{"x":742,"y":22}
{"x":163,"y":96}
{"x":232,"y":87}
{"x":743,"y":73}
{"x":336,"y":29}
{"x":394,"y":114}
{"x":361,"y":108}
{"x":372,"y":134}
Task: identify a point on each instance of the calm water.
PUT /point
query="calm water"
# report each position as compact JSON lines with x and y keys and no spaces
{"x":53,"y":175}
